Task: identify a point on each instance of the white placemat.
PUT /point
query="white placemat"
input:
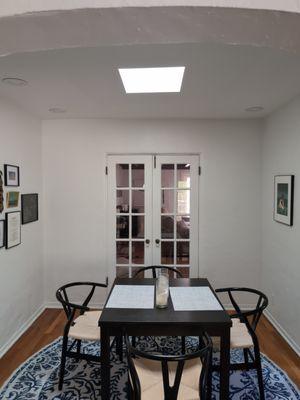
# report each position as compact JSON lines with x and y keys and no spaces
{"x":194,"y":298}
{"x":131,"y":296}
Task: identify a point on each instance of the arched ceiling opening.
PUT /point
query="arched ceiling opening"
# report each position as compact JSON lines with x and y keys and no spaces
{"x":148,"y":25}
{"x":235,"y":58}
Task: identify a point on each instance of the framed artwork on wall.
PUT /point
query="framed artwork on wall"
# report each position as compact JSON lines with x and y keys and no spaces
{"x":2,"y":234}
{"x":284,"y":199}
{"x":13,"y":229}
{"x":11,"y":175}
{"x":12,"y":199}
{"x":1,"y":192}
{"x":30,"y":207}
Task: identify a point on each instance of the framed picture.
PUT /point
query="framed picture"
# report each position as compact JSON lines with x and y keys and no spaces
{"x":13,"y":229}
{"x":284,"y":199}
{"x":30,"y":207}
{"x":11,"y":175}
{"x":2,"y":234}
{"x":12,"y":199}
{"x":1,"y":192}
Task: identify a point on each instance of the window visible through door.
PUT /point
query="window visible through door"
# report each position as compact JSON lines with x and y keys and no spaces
{"x":152,"y":213}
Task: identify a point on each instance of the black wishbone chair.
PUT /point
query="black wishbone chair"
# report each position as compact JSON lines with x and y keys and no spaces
{"x":242,"y":334}
{"x":150,"y":373}
{"x":78,"y":328}
{"x":154,"y":269}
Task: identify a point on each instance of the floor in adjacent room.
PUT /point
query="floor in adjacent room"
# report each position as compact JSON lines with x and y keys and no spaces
{"x":51,"y":322}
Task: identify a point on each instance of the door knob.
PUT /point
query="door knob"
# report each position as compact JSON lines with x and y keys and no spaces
{"x":147,"y":241}
{"x":157,"y":241}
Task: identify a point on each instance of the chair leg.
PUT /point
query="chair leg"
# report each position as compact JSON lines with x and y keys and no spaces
{"x":246,"y":358}
{"x":183,"y":344}
{"x":259,"y":373}
{"x":133,"y":341}
{"x":78,"y":346}
{"x":63,"y":362}
{"x":119,"y":347}
{"x":209,"y":384}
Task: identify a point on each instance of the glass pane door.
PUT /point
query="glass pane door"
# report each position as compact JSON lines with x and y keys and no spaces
{"x":175,"y":213}
{"x":152,"y":216}
{"x":130,"y":204}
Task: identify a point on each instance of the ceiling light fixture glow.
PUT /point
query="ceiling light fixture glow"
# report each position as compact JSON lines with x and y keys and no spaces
{"x":14,"y":81}
{"x":152,"y":80}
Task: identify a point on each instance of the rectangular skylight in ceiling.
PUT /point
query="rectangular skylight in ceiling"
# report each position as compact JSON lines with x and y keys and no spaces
{"x":152,"y":80}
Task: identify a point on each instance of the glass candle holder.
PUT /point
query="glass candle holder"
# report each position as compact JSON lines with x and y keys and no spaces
{"x":162,"y":289}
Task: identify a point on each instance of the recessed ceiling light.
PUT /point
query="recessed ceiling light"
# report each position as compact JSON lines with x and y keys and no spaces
{"x":15,"y":81}
{"x":254,"y":109}
{"x":152,"y":80}
{"x":57,"y":110}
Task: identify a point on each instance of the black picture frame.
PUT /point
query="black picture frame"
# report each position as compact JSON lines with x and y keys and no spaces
{"x":2,"y":233}
{"x":7,"y":180}
{"x":283,"y":208}
{"x":30,"y":207}
{"x":8,"y":216}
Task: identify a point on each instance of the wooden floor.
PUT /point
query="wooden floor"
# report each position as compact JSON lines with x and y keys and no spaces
{"x":50,"y":325}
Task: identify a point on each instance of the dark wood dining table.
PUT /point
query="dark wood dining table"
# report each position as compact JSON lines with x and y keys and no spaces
{"x":164,"y":322}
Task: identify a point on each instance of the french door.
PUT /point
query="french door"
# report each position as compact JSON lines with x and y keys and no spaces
{"x":152,"y":213}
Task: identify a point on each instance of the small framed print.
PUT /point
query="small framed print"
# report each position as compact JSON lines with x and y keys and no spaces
{"x":12,"y":199}
{"x":11,"y":175}
{"x":2,"y":234}
{"x":13,"y":229}
{"x":1,"y":192}
{"x":284,"y":199}
{"x":30,"y":207}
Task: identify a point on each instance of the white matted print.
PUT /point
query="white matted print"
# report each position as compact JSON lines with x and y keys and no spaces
{"x":284,"y":199}
{"x":13,"y":229}
{"x":11,"y":175}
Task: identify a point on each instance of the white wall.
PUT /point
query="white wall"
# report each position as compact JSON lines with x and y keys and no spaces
{"x":281,"y":243}
{"x":74,"y":193}
{"x":21,"y":283}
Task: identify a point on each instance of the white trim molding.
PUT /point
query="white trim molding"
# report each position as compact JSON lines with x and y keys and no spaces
{"x":57,"y":304}
{"x":287,"y":337}
{"x":23,"y":328}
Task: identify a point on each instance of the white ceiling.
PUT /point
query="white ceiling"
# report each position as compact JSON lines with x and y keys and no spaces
{"x":220,"y":81}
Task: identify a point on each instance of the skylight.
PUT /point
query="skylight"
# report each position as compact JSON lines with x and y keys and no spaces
{"x":152,"y":80}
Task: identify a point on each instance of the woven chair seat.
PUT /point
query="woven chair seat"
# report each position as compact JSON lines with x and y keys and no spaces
{"x":86,"y":326}
{"x":239,"y":336}
{"x":150,"y":376}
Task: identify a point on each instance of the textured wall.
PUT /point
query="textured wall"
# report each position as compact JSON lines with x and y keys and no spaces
{"x":281,"y":251}
{"x":74,"y":193}
{"x":21,"y":283}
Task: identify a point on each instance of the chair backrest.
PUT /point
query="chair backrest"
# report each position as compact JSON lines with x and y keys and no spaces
{"x":204,"y":354}
{"x":255,"y":313}
{"x":155,"y":268}
{"x":70,"y":307}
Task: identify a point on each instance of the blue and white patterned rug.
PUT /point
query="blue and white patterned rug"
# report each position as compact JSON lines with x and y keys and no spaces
{"x":37,"y":378}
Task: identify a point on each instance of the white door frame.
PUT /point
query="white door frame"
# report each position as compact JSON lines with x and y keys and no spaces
{"x":111,"y":160}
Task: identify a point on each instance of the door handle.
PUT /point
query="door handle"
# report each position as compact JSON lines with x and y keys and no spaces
{"x":157,"y":241}
{"x":147,"y":241}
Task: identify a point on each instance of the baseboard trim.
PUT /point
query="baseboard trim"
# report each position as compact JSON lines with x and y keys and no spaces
{"x":23,"y":328}
{"x":57,"y":304}
{"x":282,"y":332}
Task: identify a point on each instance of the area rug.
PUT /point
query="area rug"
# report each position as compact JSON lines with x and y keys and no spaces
{"x":37,"y":378}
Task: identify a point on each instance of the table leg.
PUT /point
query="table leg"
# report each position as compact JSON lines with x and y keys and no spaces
{"x":225,"y":365}
{"x":105,"y":364}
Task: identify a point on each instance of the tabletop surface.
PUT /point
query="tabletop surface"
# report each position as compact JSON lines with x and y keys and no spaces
{"x":163,"y":316}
